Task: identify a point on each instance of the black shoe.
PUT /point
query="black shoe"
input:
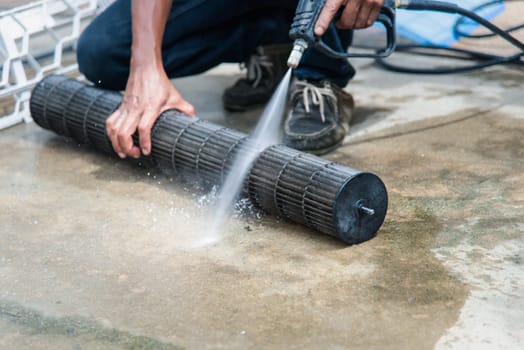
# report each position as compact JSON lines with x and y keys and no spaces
{"x":318,"y":116}
{"x":265,"y":69}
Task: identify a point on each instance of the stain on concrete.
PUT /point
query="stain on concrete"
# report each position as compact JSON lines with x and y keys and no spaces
{"x":368,"y":115}
{"x":503,"y":143}
{"x":34,"y":323}
{"x":405,"y":259}
{"x":509,"y":77}
{"x":466,"y":179}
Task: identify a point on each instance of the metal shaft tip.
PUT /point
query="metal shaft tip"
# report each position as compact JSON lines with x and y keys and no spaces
{"x":367,"y":211}
{"x":294,"y":59}
{"x":296,"y":53}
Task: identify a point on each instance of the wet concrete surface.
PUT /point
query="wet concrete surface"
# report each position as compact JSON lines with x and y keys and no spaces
{"x":98,"y":253}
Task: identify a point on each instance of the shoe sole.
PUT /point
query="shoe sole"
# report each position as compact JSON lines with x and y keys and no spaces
{"x":321,"y":151}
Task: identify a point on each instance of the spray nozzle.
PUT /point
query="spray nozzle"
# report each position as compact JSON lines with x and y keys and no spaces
{"x":295,"y":56}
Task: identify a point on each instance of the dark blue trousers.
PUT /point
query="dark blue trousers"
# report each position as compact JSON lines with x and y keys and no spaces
{"x":201,"y":34}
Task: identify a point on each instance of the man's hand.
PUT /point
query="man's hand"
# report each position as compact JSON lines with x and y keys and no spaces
{"x":148,"y":93}
{"x":357,"y":14}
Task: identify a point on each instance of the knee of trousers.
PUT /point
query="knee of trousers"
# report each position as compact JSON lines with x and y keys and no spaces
{"x":98,"y":62}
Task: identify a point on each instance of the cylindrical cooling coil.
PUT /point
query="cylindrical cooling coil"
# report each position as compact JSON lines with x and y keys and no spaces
{"x":323,"y":195}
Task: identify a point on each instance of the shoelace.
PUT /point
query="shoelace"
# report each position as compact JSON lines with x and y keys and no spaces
{"x":254,"y":68}
{"x":314,"y":93}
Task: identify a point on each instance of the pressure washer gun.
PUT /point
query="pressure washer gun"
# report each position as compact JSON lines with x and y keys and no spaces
{"x":302,"y":32}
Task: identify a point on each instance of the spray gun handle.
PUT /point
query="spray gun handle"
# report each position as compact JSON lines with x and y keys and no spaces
{"x":387,"y":17}
{"x":306,"y":16}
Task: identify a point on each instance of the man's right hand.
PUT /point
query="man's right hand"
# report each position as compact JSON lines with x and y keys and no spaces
{"x":357,"y":14}
{"x":148,"y":93}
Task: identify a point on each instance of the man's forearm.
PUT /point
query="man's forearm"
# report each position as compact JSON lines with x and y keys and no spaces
{"x":148,"y":90}
{"x":149,"y":19}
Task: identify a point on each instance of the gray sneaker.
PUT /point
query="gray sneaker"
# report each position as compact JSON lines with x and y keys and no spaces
{"x":318,"y":116}
{"x":265,"y":70}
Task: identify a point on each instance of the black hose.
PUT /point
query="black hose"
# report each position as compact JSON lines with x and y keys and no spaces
{"x":460,"y":33}
{"x":483,"y":60}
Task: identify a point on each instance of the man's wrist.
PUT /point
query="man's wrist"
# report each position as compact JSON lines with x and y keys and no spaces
{"x":146,"y":61}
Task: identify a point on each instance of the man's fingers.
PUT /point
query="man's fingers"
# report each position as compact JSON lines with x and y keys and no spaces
{"x":350,"y":14}
{"x":126,"y":143}
{"x":126,"y":129}
{"x":359,"y":14}
{"x":186,"y":108}
{"x":111,"y":121}
{"x":148,"y":120}
{"x":375,"y":11}
{"x":326,"y":16}
{"x":112,"y":129}
{"x":144,"y":130}
{"x":362,"y":18}
{"x":368,"y":13}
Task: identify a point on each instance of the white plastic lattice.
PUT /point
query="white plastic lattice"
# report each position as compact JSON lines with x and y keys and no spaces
{"x":33,"y":41}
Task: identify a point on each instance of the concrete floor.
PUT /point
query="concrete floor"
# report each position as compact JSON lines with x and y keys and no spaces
{"x":97,"y":253}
